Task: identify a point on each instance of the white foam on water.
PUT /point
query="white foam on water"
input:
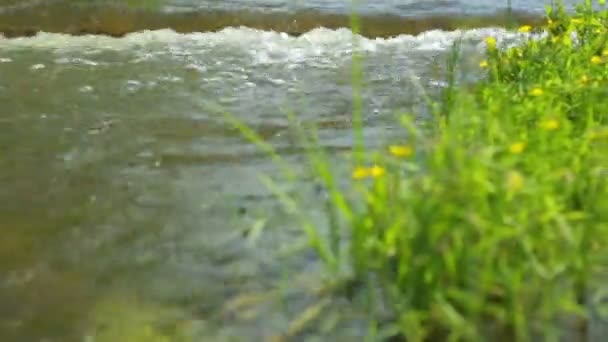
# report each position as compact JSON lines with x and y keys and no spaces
{"x":76,"y":61}
{"x":250,"y":64}
{"x":272,"y":44}
{"x":37,"y":66}
{"x":86,"y":89}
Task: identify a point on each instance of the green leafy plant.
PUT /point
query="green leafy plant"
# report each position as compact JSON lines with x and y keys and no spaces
{"x":492,"y":224}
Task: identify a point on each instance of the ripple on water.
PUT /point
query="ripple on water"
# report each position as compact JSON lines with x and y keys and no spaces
{"x":168,"y":176}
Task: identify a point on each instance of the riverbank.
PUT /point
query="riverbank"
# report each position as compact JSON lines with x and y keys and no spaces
{"x":118,"y":21}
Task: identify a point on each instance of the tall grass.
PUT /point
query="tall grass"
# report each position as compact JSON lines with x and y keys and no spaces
{"x":494,"y":223}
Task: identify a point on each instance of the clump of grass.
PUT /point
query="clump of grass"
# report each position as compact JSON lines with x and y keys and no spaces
{"x":494,"y":224}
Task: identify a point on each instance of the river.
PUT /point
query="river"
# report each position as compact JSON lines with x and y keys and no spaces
{"x":129,"y":207}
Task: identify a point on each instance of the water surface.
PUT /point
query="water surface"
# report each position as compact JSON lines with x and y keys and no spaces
{"x":384,"y":18}
{"x":130,"y":207}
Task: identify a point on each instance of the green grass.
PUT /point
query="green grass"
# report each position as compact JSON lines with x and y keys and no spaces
{"x":493,"y":223}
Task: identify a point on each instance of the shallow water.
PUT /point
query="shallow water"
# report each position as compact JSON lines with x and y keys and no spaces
{"x":123,"y":189}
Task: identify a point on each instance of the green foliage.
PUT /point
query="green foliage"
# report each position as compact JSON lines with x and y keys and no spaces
{"x":498,"y":226}
{"x":493,"y":224}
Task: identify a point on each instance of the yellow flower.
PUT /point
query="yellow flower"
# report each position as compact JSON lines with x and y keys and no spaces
{"x":605,"y":53}
{"x":517,"y":148}
{"x":525,"y":29}
{"x":596,"y":60}
{"x":491,"y":43}
{"x":483,"y":64}
{"x":514,"y":181}
{"x":576,"y":21}
{"x":402,"y":151}
{"x":549,"y":124}
{"x":360,"y":173}
{"x":536,"y":92}
{"x":584,"y":79}
{"x":377,"y":171}
{"x":367,"y":172}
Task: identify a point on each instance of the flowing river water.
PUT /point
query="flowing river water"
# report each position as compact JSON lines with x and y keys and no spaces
{"x":129,"y":207}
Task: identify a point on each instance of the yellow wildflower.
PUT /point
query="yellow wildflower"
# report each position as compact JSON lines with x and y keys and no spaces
{"x":525,"y":29}
{"x":584,"y":79}
{"x":368,"y":172}
{"x":596,"y":60}
{"x":576,"y":21}
{"x":536,"y":92}
{"x":549,"y":124}
{"x":402,"y":151}
{"x":361,"y":172}
{"x":377,"y":171}
{"x":517,"y":148}
{"x":483,"y":64}
{"x":491,"y":43}
{"x":605,"y":53}
{"x":514,"y":181}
